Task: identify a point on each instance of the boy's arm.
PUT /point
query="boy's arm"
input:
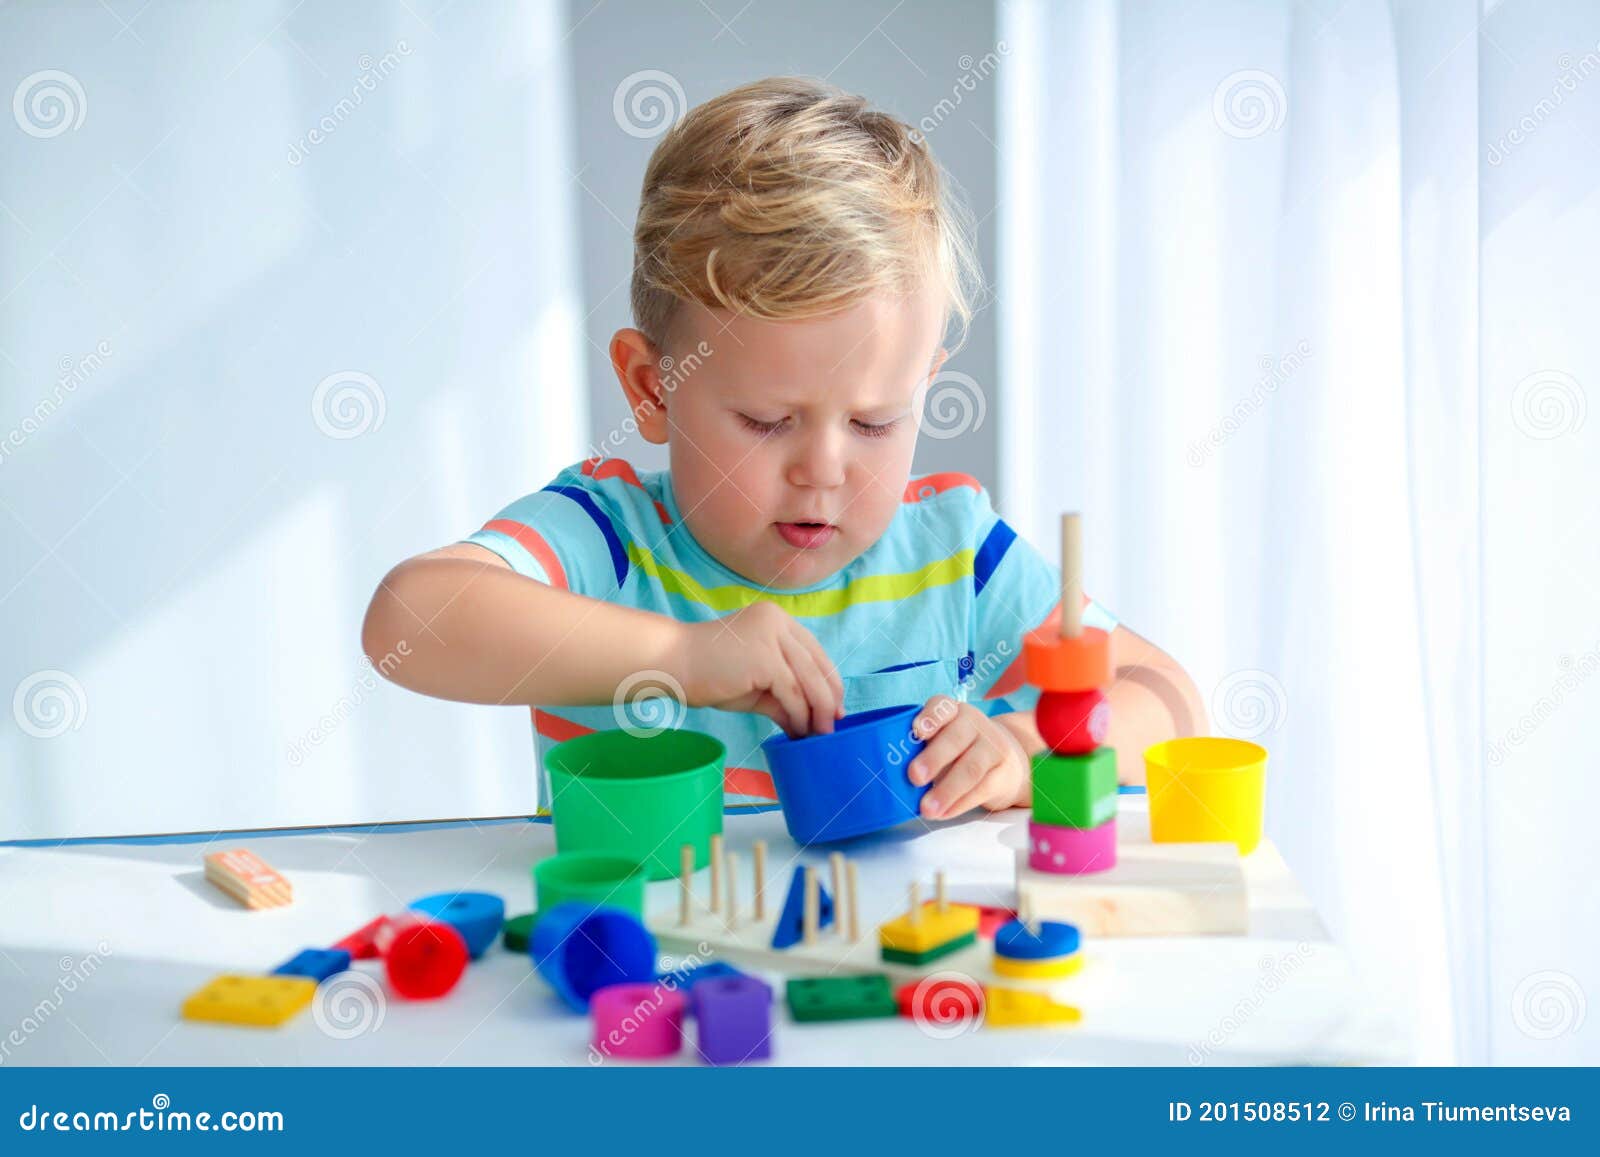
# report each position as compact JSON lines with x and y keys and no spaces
{"x":459,"y":623}
{"x":1152,"y":699}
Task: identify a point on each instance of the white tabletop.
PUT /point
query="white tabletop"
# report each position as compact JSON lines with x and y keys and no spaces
{"x":100,"y":943}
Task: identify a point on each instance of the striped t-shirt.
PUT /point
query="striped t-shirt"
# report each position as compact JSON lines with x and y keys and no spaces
{"x":938,"y":605}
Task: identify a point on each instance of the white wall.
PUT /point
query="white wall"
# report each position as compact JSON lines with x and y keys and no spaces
{"x":186,"y":543}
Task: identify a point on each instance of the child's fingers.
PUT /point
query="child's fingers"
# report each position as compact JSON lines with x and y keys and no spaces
{"x":819,"y":700}
{"x":830,"y":673}
{"x":785,"y":689}
{"x":964,"y":775}
{"x":943,"y":749}
{"x":935,"y":714}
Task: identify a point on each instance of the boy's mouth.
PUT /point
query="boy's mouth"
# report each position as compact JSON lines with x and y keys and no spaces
{"x":806,"y":535}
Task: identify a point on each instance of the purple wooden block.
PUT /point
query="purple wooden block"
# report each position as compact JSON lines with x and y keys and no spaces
{"x":735,"y":1020}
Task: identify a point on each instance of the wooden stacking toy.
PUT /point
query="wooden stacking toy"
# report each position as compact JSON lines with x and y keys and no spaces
{"x":1074,"y":828}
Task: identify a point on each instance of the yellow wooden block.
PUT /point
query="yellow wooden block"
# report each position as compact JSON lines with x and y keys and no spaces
{"x":933,"y":929}
{"x":258,"y":1000}
{"x":1013,"y":1008}
{"x":1049,"y":969}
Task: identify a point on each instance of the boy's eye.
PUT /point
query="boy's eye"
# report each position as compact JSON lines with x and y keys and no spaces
{"x":877,"y":429}
{"x":761,"y":427}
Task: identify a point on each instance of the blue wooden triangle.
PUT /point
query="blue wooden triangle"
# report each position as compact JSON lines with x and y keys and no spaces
{"x":792,"y":920}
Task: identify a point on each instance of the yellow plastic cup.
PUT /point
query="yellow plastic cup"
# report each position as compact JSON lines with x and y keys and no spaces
{"x":1206,"y":789}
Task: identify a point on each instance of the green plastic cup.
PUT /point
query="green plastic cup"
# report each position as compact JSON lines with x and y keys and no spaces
{"x":591,"y":878}
{"x":638,"y":796}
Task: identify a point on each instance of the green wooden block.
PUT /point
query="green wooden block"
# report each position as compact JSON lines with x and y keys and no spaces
{"x":1075,"y":791}
{"x":518,"y":931}
{"x":841,"y":997}
{"x":899,"y":956}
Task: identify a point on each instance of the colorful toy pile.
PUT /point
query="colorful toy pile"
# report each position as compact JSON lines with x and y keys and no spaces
{"x":1074,"y":826}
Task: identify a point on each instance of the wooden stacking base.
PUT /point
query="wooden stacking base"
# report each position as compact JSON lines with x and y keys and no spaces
{"x":1154,"y":890}
{"x":833,"y":953}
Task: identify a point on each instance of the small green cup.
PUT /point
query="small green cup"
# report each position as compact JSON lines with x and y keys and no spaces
{"x":638,"y":796}
{"x":591,"y":878}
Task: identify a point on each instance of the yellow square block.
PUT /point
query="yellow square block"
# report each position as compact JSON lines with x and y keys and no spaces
{"x":1049,"y":969}
{"x":933,"y":929}
{"x":259,"y":1000}
{"x":1013,"y":1008}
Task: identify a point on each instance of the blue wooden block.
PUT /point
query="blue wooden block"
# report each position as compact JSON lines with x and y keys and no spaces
{"x":478,"y":916}
{"x":791,"y":922}
{"x":316,"y":963}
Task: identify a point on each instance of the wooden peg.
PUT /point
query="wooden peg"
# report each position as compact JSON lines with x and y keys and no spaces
{"x":733,"y":890}
{"x":685,"y":883}
{"x":939,"y":891}
{"x":914,"y":914}
{"x":716,"y":873}
{"x":760,"y":850}
{"x":854,"y":907}
{"x":813,"y":907}
{"x":836,"y":871}
{"x":1071,"y":576}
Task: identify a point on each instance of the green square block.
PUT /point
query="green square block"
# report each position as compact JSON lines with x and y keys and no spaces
{"x":898,"y":956}
{"x":841,"y":997}
{"x":1075,"y":791}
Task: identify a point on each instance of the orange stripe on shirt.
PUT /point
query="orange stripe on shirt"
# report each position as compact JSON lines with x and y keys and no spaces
{"x":735,"y":780}
{"x":1011,"y":678}
{"x":531,"y":541}
{"x":920,"y":488}
{"x":602,"y":468}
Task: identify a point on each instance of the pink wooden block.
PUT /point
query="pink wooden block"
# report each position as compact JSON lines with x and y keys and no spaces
{"x":637,"y":1020}
{"x":1072,"y":851}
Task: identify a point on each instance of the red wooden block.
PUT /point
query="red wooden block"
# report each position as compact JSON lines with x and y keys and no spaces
{"x":991,"y":917}
{"x":1073,"y":722}
{"x":362,"y":944}
{"x":943,"y":1000}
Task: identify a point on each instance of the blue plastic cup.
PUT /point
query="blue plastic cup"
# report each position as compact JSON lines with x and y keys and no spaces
{"x":850,"y":782}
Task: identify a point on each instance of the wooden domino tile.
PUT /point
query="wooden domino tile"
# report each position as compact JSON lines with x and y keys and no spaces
{"x":248,"y":879}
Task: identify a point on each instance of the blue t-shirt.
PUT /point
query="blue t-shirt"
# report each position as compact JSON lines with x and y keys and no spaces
{"x":938,"y":605}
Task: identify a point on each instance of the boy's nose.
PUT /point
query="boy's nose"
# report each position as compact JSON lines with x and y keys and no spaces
{"x":820,"y":463}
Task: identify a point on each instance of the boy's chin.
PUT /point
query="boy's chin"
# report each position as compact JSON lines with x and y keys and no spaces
{"x":791,"y":569}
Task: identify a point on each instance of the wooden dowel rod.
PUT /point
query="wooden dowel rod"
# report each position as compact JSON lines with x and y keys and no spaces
{"x":939,"y":891}
{"x":716,"y":873}
{"x":760,"y":850}
{"x":851,"y":887}
{"x":836,"y":873}
{"x":914,"y":913}
{"x":685,"y":883}
{"x":1071,"y":576}
{"x":813,"y":903}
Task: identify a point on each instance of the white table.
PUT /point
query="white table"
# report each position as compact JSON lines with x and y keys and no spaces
{"x":100,"y":943}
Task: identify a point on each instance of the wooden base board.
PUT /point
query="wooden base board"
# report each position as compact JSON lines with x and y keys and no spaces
{"x":1155,"y":890}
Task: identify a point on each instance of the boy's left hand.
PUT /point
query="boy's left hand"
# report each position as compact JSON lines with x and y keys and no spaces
{"x":971,"y":760}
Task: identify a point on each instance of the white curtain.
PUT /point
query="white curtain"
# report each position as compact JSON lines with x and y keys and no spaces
{"x":1238,"y":290}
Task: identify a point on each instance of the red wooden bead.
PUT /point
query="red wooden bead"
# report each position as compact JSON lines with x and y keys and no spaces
{"x":1073,"y":722}
{"x":425,"y":959}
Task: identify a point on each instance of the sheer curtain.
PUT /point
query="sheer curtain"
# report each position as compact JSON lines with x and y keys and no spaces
{"x":1238,"y":290}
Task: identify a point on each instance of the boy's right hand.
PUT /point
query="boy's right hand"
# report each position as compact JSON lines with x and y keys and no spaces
{"x":760,"y":659}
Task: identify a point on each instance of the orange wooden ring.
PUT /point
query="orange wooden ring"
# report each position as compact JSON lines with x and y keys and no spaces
{"x":1081,"y":663}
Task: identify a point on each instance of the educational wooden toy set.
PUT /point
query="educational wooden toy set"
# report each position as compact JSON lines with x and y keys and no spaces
{"x":623,"y":802}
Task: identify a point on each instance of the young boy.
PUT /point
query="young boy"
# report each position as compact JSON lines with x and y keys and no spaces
{"x":796,"y":264}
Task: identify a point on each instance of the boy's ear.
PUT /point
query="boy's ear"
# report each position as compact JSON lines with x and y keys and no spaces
{"x":939,"y":358}
{"x":638,"y":366}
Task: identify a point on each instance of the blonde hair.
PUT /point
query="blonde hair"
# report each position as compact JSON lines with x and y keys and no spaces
{"x":789,"y":198}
